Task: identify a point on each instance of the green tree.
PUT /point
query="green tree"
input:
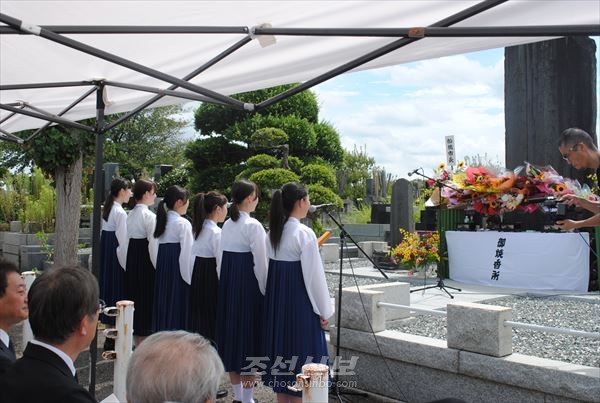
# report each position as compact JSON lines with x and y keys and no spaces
{"x":151,"y":137}
{"x":352,"y":177}
{"x":230,"y":137}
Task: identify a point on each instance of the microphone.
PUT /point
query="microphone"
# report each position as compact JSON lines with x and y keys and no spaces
{"x":414,"y":171}
{"x":315,"y":207}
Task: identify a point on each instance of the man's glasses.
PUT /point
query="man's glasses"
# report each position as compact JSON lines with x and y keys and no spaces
{"x":569,"y":151}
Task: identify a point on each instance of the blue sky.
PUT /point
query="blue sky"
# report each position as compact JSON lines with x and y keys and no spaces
{"x":402,"y":113}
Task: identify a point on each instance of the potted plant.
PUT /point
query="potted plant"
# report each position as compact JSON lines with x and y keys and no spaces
{"x":418,"y":251}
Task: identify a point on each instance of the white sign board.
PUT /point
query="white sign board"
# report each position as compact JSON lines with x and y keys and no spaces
{"x":450,"y":151}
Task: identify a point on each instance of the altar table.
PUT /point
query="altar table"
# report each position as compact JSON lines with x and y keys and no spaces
{"x":530,"y":260}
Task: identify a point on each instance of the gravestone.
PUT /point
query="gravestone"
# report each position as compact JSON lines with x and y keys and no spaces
{"x":401,"y":215}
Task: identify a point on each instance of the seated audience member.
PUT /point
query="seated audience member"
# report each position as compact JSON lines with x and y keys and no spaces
{"x":13,"y":309}
{"x":63,"y":313}
{"x":174,"y":366}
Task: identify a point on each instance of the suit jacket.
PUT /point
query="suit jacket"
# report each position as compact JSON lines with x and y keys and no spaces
{"x":7,"y":357}
{"x":41,"y":376}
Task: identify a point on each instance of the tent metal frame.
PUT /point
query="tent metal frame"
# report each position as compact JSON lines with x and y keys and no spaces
{"x":54,"y":33}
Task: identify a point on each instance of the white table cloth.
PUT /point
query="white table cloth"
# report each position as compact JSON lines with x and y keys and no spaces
{"x":531,"y":260}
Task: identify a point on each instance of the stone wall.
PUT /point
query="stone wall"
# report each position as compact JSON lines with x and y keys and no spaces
{"x":475,"y":365}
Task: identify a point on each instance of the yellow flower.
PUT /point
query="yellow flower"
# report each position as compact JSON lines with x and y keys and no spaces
{"x":441,"y":167}
{"x":461,"y":165}
{"x":560,"y":188}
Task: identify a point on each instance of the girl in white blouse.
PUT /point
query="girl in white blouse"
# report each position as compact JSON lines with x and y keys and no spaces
{"x":141,"y":258}
{"x":297,"y":302}
{"x":243,"y":275}
{"x":173,"y":263}
{"x":209,"y":210}
{"x":113,"y":244}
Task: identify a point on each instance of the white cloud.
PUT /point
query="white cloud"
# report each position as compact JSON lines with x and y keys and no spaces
{"x":424,"y":102}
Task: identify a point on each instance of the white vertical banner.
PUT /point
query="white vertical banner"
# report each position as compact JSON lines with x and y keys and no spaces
{"x":450,"y":151}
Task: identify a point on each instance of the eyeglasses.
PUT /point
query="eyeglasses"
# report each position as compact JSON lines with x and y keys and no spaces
{"x":573,"y":148}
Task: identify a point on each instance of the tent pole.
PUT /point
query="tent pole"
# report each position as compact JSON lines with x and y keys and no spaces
{"x":132,"y":29}
{"x":160,"y":91}
{"x":67,"y":109}
{"x":44,"y":85}
{"x":52,"y":118}
{"x":21,"y":106}
{"x":101,"y":54}
{"x":96,"y":225}
{"x":188,"y":77}
{"x":453,"y":19}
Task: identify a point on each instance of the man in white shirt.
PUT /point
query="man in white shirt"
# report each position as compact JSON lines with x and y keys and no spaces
{"x":13,"y":309}
{"x":63,"y":313}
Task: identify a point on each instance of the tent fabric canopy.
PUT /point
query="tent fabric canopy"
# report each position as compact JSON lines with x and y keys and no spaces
{"x":26,"y":59}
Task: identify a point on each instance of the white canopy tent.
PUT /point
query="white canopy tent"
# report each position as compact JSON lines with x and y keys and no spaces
{"x":132,"y":54}
{"x":27,"y":59}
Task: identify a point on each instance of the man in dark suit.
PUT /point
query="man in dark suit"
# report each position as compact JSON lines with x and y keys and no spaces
{"x":63,"y":313}
{"x":13,"y":309}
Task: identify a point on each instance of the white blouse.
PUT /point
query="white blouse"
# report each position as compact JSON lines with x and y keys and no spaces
{"x":140,"y":224}
{"x":299,"y":243}
{"x":247,"y":235}
{"x":179,"y":230}
{"x":208,"y":242}
{"x":117,"y":222}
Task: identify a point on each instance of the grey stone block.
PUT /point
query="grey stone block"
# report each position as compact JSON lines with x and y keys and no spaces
{"x":30,"y":249}
{"x":12,"y":249}
{"x":15,"y":238}
{"x":330,"y":252}
{"x":360,"y":310}
{"x":29,"y":261}
{"x":394,"y":293}
{"x":405,"y":347}
{"x":479,"y":328}
{"x":15,"y":226}
{"x":85,"y":232}
{"x":367,"y":248}
{"x":413,"y":383}
{"x":553,"y":377}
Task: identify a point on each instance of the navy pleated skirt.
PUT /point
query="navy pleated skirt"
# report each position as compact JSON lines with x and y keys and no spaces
{"x":292,"y":332}
{"x":139,"y":285}
{"x":203,"y":297}
{"x":239,"y":314}
{"x":171,"y":293}
{"x":111,"y":273}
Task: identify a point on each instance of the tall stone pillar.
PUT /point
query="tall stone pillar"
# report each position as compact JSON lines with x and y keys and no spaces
{"x":549,"y":86}
{"x":401,"y":215}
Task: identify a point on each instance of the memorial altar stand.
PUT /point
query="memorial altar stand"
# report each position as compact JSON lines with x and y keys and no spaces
{"x":529,"y":260}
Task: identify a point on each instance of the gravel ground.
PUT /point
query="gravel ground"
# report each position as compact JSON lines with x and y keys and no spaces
{"x":548,"y":311}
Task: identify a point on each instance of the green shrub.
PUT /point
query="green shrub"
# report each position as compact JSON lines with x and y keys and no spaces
{"x":268,"y":137}
{"x":177,"y":176}
{"x":295,"y":164}
{"x":318,"y":175}
{"x":319,"y":194}
{"x":268,"y":180}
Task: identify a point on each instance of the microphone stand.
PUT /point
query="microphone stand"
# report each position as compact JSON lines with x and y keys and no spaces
{"x":440,"y":281}
{"x":343,"y":235}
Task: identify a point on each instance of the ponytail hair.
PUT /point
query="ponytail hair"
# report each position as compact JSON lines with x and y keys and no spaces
{"x":140,"y":187}
{"x":282,"y":205}
{"x":172,"y":194}
{"x":204,"y":205}
{"x":115,"y":187}
{"x":239,"y":191}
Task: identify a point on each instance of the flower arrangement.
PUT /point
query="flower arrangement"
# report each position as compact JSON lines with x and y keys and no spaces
{"x":493,"y":193}
{"x":417,"y":249}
